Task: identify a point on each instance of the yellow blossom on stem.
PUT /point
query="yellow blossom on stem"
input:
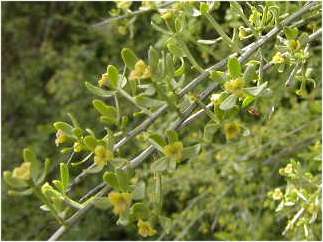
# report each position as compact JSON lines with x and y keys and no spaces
{"x":278,"y":58}
{"x":174,"y":150}
{"x":120,"y":201}
{"x":277,"y":194}
{"x":294,"y":44}
{"x":77,"y":147}
{"x":145,"y":229}
{"x":141,"y":71}
{"x":102,"y":155}
{"x":104,"y":80}
{"x":22,"y":172}
{"x":61,"y":137}
{"x":235,"y":86}
{"x":288,"y":169}
{"x":232,"y":130}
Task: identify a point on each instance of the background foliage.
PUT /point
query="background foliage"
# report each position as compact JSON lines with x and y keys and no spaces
{"x":50,"y":49}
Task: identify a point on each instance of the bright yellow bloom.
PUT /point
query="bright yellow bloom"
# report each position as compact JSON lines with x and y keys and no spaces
{"x":277,"y":194}
{"x":120,"y":201}
{"x":232,"y":130}
{"x":22,"y":172}
{"x":278,"y":58}
{"x":174,"y":150}
{"x":104,"y":80}
{"x":141,"y":71}
{"x":77,"y":147}
{"x":294,"y":44}
{"x":235,"y":86}
{"x":61,"y":137}
{"x":288,"y":169}
{"x":102,"y":155}
{"x":145,"y":229}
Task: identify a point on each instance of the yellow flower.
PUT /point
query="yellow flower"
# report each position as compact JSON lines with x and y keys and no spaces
{"x":288,"y":169}
{"x":277,"y":194}
{"x":77,"y":147}
{"x":141,"y":71}
{"x":104,"y":80}
{"x":102,"y":155}
{"x":232,"y":130}
{"x":120,"y":201}
{"x":61,"y":137}
{"x":278,"y":58}
{"x":243,"y":33}
{"x":294,"y":44}
{"x":22,"y":172}
{"x":145,"y":229}
{"x":235,"y":86}
{"x":174,"y":150}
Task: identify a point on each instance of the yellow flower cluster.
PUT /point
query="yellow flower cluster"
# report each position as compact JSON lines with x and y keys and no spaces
{"x":77,"y":147}
{"x":102,"y":155}
{"x":61,"y":137}
{"x":22,"y":172}
{"x":232,"y":130}
{"x":104,"y":80}
{"x":294,"y":44}
{"x":235,"y":86}
{"x":174,"y":150}
{"x":277,"y":194}
{"x":145,"y":229}
{"x":278,"y":58}
{"x":120,"y":201}
{"x":141,"y":71}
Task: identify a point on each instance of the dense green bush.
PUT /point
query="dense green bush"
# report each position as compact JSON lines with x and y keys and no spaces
{"x":245,"y":170}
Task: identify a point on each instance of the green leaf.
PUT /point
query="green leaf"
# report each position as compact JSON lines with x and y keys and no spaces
{"x":104,"y":109}
{"x":157,"y":141}
{"x":90,"y":142}
{"x":47,"y":165}
{"x":153,"y":58}
{"x":255,"y":91}
{"x":250,"y":73}
{"x":174,"y":48}
{"x":148,"y":102}
{"x":29,"y":156}
{"x":111,"y":179}
{"x":180,"y":71}
{"x":139,"y":192}
{"x":64,"y":175}
{"x":123,"y":180}
{"x":172,"y":136}
{"x":160,"y":164}
{"x":98,"y":91}
{"x":129,"y":58}
{"x":217,"y":76}
{"x":140,"y":211}
{"x":291,"y":33}
{"x":170,"y":69}
{"x":101,"y":203}
{"x":229,"y":102}
{"x":166,"y":223}
{"x":247,"y":101}
{"x":234,"y":67}
{"x":209,"y":130}
{"x":191,"y":152}
{"x":65,"y":127}
{"x":113,"y":74}
{"x":13,"y":182}
{"x":26,"y":192}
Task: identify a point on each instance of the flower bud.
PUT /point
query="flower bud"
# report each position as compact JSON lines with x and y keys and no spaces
{"x":277,"y":194}
{"x":120,"y":201}
{"x":235,"y":86}
{"x":61,"y":137}
{"x":102,"y":155}
{"x":22,"y":172}
{"x":174,"y":150}
{"x":278,"y":58}
{"x":77,"y":147}
{"x":232,"y":130}
{"x":145,"y":229}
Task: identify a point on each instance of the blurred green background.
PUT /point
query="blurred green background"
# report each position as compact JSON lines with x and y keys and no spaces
{"x":49,"y":49}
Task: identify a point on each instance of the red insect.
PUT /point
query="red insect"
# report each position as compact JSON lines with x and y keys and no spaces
{"x":254,"y":112}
